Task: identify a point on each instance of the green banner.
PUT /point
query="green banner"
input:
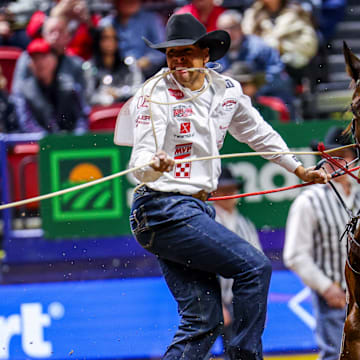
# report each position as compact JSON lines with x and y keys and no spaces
{"x":270,"y":211}
{"x":99,"y":210}
{"x":103,"y":209}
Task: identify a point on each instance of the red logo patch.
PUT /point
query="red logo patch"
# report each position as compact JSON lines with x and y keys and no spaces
{"x":182,"y":111}
{"x":229,"y":104}
{"x":183,"y":170}
{"x":143,"y":102}
{"x":185,"y":127}
{"x":176,"y":93}
{"x":142,"y":120}
{"x":182,"y":151}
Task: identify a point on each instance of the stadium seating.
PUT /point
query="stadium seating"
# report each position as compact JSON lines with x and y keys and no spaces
{"x":277,"y":105}
{"x":103,"y":118}
{"x":23,"y":171}
{"x":8,"y":58}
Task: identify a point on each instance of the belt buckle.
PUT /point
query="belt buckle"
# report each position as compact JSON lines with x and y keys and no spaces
{"x":201,"y":195}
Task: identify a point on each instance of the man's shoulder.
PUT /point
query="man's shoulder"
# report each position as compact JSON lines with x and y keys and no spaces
{"x":229,"y":82}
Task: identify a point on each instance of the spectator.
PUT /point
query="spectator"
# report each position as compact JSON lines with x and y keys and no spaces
{"x":10,"y":34}
{"x":13,"y":20}
{"x":8,"y":118}
{"x":228,"y":215}
{"x":327,"y":14}
{"x":81,"y":24}
{"x":110,"y":78}
{"x":259,"y":56}
{"x":285,"y":26}
{"x":205,"y":11}
{"x":312,"y":249}
{"x":251,"y":82}
{"x":132,"y":23}
{"x":47,"y":102}
{"x":55,"y":32}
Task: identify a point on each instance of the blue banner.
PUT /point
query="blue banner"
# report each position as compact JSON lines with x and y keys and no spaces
{"x":132,"y":318}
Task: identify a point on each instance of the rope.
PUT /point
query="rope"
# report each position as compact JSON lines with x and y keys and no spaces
{"x":264,"y":192}
{"x":131,"y":170}
{"x":159,"y":77}
{"x":73,"y":188}
{"x":321,"y":148}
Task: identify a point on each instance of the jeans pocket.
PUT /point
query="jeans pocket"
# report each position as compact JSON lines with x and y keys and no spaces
{"x":146,"y":240}
{"x":138,"y":221}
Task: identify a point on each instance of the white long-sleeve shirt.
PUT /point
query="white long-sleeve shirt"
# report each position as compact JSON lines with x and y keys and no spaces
{"x":314,"y":226}
{"x":197,"y":128}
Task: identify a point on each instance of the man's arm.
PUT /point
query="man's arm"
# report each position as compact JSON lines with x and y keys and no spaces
{"x":249,"y":127}
{"x":298,"y":252}
{"x":309,"y":174}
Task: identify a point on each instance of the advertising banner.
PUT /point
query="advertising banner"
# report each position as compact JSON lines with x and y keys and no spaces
{"x":123,"y":319}
{"x":103,"y":210}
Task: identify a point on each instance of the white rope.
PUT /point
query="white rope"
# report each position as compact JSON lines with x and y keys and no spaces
{"x":161,"y":76}
{"x":73,"y":188}
{"x":131,"y":170}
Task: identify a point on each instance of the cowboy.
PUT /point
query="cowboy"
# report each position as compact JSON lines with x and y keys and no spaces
{"x":184,"y":113}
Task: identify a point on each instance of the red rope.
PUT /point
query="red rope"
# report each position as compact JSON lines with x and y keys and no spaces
{"x":321,"y":148}
{"x":237,"y":196}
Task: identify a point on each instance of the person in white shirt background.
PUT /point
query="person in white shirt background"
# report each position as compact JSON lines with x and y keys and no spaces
{"x":227,"y":214}
{"x":169,"y":215}
{"x":313,"y":249}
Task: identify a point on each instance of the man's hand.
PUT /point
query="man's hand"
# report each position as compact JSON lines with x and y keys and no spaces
{"x":318,"y":176}
{"x":335,"y":296}
{"x":163,"y":162}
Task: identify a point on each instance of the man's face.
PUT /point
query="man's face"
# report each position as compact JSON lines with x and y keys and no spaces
{"x":127,"y":8}
{"x":228,"y":190}
{"x":181,"y":57}
{"x":56,"y":33}
{"x":43,"y":67}
{"x":346,"y":156}
{"x":228,"y":24}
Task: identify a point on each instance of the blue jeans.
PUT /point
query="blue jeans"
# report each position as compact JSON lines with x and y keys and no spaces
{"x":192,"y":248}
{"x":329,"y":328}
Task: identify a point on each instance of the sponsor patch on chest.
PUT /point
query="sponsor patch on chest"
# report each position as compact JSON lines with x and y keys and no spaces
{"x":182,"y":111}
{"x":185,"y":127}
{"x":176,"y":93}
{"x":229,"y":104}
{"x":182,"y":151}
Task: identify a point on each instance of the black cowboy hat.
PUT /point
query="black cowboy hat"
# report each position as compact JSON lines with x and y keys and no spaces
{"x":335,"y":137}
{"x":185,"y":29}
{"x":228,"y":179}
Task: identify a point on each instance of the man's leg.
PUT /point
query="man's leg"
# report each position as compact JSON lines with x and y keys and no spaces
{"x":329,"y":328}
{"x":189,"y":236}
{"x":199,"y":305}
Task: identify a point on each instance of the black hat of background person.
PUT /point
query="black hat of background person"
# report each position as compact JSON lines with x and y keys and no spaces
{"x":334,"y":138}
{"x":185,"y":29}
{"x":242,"y":72}
{"x":227,"y":179}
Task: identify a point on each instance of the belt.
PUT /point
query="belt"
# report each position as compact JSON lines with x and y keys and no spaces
{"x":201,"y":195}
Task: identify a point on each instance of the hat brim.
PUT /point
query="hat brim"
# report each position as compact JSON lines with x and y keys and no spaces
{"x":217,"y":41}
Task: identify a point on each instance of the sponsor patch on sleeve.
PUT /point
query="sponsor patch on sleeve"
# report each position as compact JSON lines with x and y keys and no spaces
{"x":229,"y":83}
{"x":229,"y":104}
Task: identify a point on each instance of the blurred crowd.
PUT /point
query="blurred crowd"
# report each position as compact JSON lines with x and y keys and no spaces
{"x":77,"y":54}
